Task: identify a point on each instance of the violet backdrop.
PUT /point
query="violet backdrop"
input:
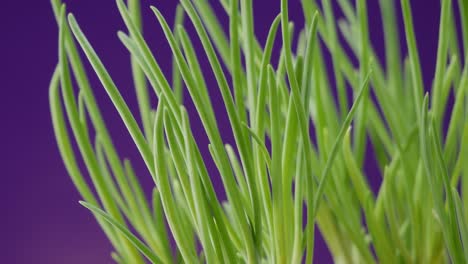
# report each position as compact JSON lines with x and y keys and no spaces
{"x":41,"y":221}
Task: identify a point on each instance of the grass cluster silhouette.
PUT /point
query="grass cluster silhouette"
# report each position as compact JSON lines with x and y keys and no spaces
{"x":280,"y":181}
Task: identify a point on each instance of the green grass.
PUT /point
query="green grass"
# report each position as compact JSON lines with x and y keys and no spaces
{"x":276,"y":195}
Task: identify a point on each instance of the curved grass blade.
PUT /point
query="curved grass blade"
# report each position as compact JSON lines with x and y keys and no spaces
{"x":132,"y":238}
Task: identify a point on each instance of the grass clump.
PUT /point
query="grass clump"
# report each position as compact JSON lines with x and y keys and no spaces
{"x":279,"y":181}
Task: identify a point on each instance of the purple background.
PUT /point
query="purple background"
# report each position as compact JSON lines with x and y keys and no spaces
{"x":41,"y":220}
